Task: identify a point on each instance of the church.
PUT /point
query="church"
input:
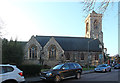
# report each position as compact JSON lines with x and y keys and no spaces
{"x":52,"y":50}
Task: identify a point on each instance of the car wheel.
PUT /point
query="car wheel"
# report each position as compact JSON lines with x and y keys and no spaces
{"x":57,"y":78}
{"x":78,"y":75}
{"x":104,"y":71}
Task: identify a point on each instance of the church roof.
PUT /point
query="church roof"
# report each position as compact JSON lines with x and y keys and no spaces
{"x":72,"y":43}
{"x":94,"y":12}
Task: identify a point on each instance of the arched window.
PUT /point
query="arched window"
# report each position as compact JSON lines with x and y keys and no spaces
{"x":32,"y":52}
{"x":82,"y":56}
{"x":52,"y":52}
{"x":96,"y":57}
{"x":67,"y":55}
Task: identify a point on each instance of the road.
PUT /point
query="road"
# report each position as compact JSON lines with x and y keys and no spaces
{"x":108,"y":76}
{"x":97,"y":77}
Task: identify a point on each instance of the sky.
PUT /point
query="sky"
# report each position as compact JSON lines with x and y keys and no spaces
{"x":119,"y":28}
{"x":23,"y":18}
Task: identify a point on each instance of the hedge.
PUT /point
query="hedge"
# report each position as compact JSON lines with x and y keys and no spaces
{"x":30,"y":70}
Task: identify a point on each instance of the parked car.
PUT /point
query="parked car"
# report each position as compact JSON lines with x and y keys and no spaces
{"x":103,"y":68}
{"x":62,"y":71}
{"x":113,"y":64}
{"x":10,"y":74}
{"x":117,"y":66}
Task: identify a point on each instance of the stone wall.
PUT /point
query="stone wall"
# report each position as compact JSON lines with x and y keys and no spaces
{"x":45,"y":56}
{"x":75,"y":56}
{"x":27,"y":60}
{"x":91,"y":22}
{"x":32,"y":41}
{"x":31,"y":62}
{"x":59,"y":53}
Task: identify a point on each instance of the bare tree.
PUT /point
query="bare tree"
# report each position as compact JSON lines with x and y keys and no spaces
{"x":1,"y":27}
{"x":98,"y":5}
{"x":1,"y":24}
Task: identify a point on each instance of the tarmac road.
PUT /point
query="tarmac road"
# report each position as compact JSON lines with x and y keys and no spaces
{"x":96,"y":77}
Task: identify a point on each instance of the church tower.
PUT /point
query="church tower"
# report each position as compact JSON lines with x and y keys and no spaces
{"x":93,"y":25}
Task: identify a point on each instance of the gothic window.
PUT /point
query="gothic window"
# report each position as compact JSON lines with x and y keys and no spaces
{"x":95,"y":24}
{"x":82,"y":56}
{"x":52,"y":52}
{"x":96,"y":57}
{"x":97,"y":36}
{"x":33,"y":52}
{"x":67,"y":55}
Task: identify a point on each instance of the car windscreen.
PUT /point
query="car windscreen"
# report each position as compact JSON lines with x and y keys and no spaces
{"x":102,"y":66}
{"x":77,"y":65}
{"x":58,"y":66}
{"x":117,"y":65}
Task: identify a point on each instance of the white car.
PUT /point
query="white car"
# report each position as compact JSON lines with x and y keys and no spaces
{"x":10,"y":74}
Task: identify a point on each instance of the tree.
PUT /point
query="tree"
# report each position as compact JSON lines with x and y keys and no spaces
{"x":1,"y":26}
{"x":90,"y":5}
{"x":12,"y":52}
{"x":0,"y":50}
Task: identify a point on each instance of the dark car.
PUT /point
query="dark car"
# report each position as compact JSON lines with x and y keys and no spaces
{"x":117,"y":66}
{"x":62,"y":71}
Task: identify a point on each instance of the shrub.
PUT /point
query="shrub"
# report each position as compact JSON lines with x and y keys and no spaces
{"x":30,"y":70}
{"x":92,"y":66}
{"x":46,"y":67}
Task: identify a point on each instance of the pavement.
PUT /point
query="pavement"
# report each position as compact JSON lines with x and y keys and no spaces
{"x":37,"y":78}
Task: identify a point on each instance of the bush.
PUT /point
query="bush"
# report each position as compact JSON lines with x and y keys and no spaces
{"x":85,"y":66}
{"x":12,"y":52}
{"x":46,"y":67}
{"x":92,"y":66}
{"x":30,"y":70}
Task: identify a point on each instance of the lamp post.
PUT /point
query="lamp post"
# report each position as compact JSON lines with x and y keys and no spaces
{"x":88,"y":51}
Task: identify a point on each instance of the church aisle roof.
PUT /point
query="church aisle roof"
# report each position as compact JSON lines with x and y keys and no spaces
{"x":72,"y":43}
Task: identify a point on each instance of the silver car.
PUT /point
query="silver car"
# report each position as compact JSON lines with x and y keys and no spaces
{"x":103,"y":68}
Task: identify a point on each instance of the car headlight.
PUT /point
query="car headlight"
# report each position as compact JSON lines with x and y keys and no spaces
{"x":49,"y":74}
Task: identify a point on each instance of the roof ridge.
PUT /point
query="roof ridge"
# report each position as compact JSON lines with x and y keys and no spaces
{"x":70,"y":43}
{"x":62,"y":36}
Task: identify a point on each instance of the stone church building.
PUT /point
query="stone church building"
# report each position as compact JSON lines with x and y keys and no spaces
{"x":52,"y":50}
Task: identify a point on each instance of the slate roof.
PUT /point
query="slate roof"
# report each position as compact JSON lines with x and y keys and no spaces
{"x":72,"y":43}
